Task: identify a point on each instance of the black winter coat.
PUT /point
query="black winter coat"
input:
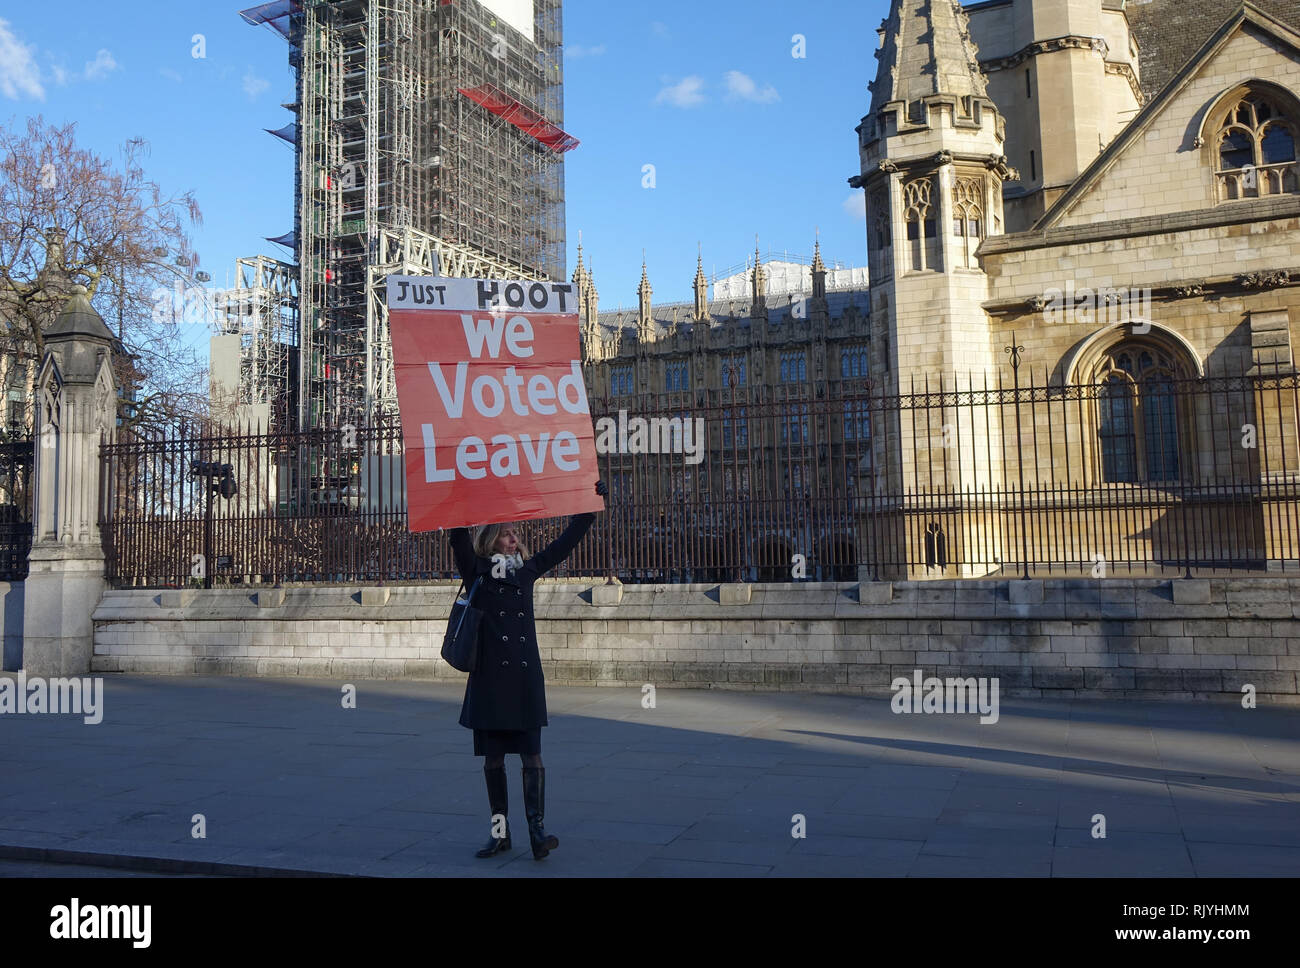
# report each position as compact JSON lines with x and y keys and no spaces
{"x":507,"y":690}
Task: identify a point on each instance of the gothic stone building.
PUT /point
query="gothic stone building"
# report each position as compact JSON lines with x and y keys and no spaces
{"x":1099,"y":200}
{"x":772,"y":376}
{"x":1083,"y":238}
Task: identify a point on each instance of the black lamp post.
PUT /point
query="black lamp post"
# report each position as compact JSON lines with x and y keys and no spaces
{"x":220,"y":480}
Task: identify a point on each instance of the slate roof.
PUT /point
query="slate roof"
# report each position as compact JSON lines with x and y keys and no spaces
{"x":926,"y":51}
{"x":79,"y":318}
{"x":1170,"y":32}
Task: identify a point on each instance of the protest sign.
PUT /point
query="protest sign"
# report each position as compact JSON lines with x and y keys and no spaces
{"x":495,"y":420}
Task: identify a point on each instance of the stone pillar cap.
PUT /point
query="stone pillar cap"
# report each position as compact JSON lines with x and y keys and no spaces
{"x":79,"y":320}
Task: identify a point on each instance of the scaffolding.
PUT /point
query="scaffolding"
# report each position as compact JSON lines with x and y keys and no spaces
{"x":413,"y":253}
{"x":262,"y":309}
{"x":424,"y":126}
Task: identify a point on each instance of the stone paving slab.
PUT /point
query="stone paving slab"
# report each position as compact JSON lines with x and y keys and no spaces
{"x":707,"y":784}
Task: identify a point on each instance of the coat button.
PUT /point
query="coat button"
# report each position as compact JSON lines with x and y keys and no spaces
{"x":505,"y":662}
{"x":521,"y":614}
{"x":524,"y":663}
{"x":503,"y":614}
{"x":505,"y":638}
{"x":519,"y":591}
{"x":522,"y":639}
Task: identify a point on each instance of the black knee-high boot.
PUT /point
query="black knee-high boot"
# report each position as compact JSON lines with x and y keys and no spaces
{"x":534,"y":806}
{"x":499,"y":801}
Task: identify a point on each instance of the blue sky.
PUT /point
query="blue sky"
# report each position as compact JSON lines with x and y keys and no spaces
{"x":745,"y":137}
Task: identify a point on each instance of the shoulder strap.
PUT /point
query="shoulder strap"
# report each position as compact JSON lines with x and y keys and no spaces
{"x":477,"y":581}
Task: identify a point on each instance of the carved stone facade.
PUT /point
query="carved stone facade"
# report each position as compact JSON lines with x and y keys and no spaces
{"x":1193,"y":202}
{"x":1035,"y":214}
{"x":695,"y":359}
{"x":707,"y":333}
{"x":1172,"y":217}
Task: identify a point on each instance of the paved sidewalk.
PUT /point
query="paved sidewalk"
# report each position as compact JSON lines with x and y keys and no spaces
{"x":706,"y":784}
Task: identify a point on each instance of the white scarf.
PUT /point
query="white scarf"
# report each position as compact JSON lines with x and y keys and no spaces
{"x":512,"y":562}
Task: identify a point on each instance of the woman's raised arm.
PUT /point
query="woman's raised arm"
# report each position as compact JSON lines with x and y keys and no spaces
{"x":463,"y":550}
{"x":563,"y":546}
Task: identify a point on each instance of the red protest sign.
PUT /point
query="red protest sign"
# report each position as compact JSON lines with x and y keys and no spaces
{"x":495,"y":420}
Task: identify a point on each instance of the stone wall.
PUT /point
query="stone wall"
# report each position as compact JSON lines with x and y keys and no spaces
{"x":11,"y":620}
{"x":1057,"y":638}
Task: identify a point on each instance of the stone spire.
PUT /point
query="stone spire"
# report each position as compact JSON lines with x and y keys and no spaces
{"x":644,"y":324}
{"x":758,"y":309}
{"x":926,"y":49}
{"x":591,"y":301}
{"x":54,"y":274}
{"x":579,"y":278}
{"x":585,"y":290}
{"x":818,"y":271}
{"x":701,"y":289}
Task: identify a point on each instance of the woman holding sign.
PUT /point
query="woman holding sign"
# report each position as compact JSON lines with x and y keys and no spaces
{"x":505,"y":697}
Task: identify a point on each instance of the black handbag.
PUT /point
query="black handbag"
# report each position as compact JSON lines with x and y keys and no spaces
{"x":460,"y":644}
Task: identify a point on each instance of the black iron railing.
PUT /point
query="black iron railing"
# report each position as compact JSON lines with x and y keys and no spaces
{"x":960,"y":478}
{"x":16,"y":456}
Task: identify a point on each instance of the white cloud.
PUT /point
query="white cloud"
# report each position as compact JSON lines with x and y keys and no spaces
{"x":60,"y":74}
{"x":170,"y":74}
{"x":18,"y":71}
{"x":254,"y":85}
{"x":742,"y":87}
{"x":856,"y":205}
{"x":686,"y":93}
{"x":101,"y":66}
{"x":577,"y":50}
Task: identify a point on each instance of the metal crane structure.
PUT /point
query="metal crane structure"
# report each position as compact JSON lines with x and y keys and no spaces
{"x":261,"y":310}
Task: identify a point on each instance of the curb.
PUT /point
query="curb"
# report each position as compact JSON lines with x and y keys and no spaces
{"x":160,"y":865}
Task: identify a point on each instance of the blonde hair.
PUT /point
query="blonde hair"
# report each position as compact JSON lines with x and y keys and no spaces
{"x":485,"y":539}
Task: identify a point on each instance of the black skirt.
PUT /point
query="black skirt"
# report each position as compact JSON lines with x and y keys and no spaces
{"x":496,"y":742}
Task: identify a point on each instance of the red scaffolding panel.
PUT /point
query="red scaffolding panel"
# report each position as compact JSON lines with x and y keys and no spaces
{"x":525,"y":119}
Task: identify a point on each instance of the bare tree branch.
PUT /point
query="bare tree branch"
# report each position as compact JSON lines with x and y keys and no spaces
{"x":114,"y":221}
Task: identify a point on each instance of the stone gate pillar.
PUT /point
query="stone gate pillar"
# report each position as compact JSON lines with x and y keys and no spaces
{"x":76,"y":407}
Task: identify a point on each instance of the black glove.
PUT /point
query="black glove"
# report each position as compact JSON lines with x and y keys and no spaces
{"x":602,"y":488}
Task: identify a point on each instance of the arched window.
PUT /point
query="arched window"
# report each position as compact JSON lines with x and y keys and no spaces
{"x":881,"y":234}
{"x":676,"y":377}
{"x":1138,"y":416}
{"x":968,"y":219}
{"x":735,"y":483}
{"x":794,"y":368}
{"x":735,"y":427}
{"x":733,"y":371}
{"x":853,"y":362}
{"x":922,"y":236}
{"x":884,"y":234}
{"x":621,"y":380}
{"x":1255,"y":148}
{"x":1115,"y":429}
